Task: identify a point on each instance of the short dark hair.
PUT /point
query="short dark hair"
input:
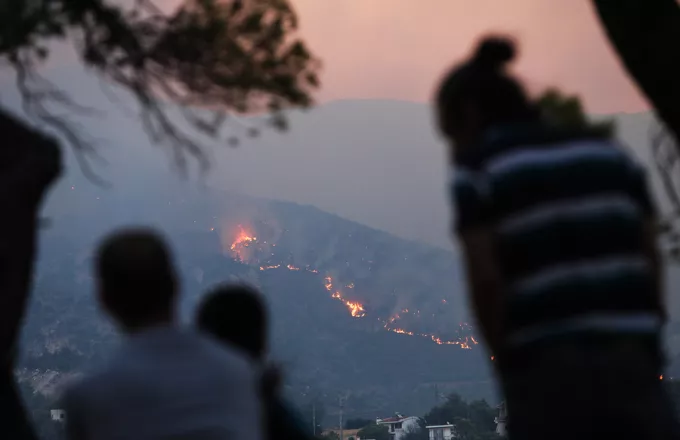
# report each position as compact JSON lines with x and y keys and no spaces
{"x":236,"y":314}
{"x":137,"y":275}
{"x":483,"y":80}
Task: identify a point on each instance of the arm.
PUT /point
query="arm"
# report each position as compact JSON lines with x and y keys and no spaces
{"x":485,"y":284}
{"x":470,"y":193}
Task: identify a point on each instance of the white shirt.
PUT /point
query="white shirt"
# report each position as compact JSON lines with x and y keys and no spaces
{"x":168,"y":383}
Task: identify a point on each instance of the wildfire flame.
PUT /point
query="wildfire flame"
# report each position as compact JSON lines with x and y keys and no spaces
{"x":465,"y":343}
{"x":241,"y":242}
{"x":355,"y":309}
{"x":276,"y":266}
{"x":244,"y":239}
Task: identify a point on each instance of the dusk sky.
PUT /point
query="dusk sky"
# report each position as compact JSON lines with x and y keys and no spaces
{"x":374,"y":50}
{"x":398,"y":49}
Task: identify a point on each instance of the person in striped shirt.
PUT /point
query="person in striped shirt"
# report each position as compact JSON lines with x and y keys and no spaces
{"x":557,"y":228}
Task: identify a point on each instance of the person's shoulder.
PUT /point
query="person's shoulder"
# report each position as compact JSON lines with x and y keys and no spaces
{"x":217,"y":352}
{"x":79,"y":391}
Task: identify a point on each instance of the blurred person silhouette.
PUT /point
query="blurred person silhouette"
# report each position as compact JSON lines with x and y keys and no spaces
{"x":166,"y":381}
{"x":236,"y":315}
{"x":558,"y":233}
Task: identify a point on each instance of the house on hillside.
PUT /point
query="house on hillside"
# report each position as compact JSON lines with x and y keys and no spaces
{"x":442,"y":432}
{"x":399,"y":425}
{"x":502,"y":420}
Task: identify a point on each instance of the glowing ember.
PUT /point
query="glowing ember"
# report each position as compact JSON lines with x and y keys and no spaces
{"x":276,"y":266}
{"x":355,"y":309}
{"x":400,"y":331}
{"x":462,"y":343}
{"x":291,"y":267}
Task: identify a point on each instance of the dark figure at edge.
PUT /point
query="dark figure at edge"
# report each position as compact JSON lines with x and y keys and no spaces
{"x":558,"y":232}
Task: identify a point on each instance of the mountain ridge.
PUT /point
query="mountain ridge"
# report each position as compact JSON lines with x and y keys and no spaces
{"x":327,"y":268}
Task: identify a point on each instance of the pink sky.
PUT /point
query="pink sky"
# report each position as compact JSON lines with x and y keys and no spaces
{"x":398,"y":49}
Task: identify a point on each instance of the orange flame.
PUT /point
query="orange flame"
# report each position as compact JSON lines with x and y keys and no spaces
{"x":464,"y":343}
{"x":355,"y":309}
{"x":244,"y":239}
{"x":241,"y":242}
{"x":276,"y":266}
{"x":661,"y":377}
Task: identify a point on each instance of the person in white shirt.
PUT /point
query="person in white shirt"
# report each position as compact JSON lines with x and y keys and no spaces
{"x":166,"y":381}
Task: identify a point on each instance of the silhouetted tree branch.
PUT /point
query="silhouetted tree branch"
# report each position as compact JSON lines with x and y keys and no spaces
{"x":207,"y":59}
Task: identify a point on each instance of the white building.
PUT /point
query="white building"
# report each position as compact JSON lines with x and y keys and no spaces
{"x":58,"y":415}
{"x":502,"y":420}
{"x":442,"y":432}
{"x":399,"y":425}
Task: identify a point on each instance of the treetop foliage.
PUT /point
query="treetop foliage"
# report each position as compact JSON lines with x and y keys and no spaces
{"x":209,"y":58}
{"x":567,"y":111}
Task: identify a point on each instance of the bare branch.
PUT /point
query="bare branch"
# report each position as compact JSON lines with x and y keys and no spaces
{"x":34,"y":106}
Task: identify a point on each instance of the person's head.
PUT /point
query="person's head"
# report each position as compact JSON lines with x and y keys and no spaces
{"x":479,"y":94}
{"x":236,"y":314}
{"x":137,"y":284}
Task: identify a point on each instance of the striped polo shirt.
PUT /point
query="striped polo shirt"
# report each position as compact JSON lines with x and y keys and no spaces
{"x":568,"y":211}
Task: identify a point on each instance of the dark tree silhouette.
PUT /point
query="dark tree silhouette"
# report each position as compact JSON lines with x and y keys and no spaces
{"x":374,"y":432}
{"x":646,"y":34}
{"x":358,"y":423}
{"x":29,"y":164}
{"x":207,"y":59}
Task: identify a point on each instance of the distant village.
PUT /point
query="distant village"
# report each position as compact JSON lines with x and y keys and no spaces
{"x":397,"y":426}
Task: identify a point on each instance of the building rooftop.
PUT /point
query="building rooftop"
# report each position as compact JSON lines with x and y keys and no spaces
{"x":391,"y":420}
